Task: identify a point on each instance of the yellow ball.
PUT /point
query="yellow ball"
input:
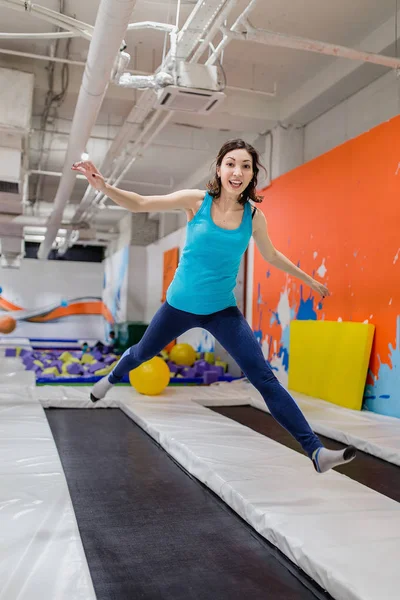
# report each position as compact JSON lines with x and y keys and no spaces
{"x":151,"y":377}
{"x":183,"y":354}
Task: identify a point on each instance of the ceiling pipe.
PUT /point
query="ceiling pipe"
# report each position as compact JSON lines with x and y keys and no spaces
{"x":51,"y":16}
{"x":39,"y":36}
{"x":111,"y":23}
{"x":67,"y":61}
{"x":196,"y":27}
{"x":281,"y":40}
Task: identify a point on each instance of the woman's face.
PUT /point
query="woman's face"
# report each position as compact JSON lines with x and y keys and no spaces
{"x":236,"y":171}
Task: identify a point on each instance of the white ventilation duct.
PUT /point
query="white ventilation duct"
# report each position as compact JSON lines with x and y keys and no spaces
{"x":15,"y":122}
{"x":111,"y":23}
{"x":201,"y":25}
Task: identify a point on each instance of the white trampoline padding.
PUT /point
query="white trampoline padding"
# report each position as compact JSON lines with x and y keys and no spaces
{"x":41,"y":553}
{"x":372,"y":433}
{"x":341,"y":533}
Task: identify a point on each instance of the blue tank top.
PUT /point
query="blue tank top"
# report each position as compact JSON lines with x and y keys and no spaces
{"x":206,"y":275}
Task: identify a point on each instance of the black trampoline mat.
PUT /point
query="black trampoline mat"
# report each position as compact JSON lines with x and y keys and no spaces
{"x":151,"y":531}
{"x":373,"y":472}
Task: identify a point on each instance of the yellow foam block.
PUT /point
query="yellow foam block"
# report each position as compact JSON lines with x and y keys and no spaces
{"x":209,"y":357}
{"x":221,"y":363}
{"x":51,"y":371}
{"x":65,"y":356}
{"x":87,"y":359}
{"x":102,"y":372}
{"x":38,"y":363}
{"x":329,"y":360}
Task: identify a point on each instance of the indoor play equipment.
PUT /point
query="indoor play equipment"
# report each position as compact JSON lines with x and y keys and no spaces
{"x":61,"y":366}
{"x":151,"y":377}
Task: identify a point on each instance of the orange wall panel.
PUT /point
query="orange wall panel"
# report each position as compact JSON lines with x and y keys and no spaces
{"x":338,"y":218}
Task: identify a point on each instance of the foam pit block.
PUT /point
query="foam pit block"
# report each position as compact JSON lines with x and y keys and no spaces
{"x":210,"y":377}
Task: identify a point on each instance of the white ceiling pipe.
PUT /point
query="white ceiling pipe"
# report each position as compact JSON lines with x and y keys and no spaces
{"x":197,"y":25}
{"x":282,"y":40}
{"x":82,"y":209}
{"x":151,"y":25}
{"x":42,"y":57}
{"x":111,"y":23}
{"x":78,"y":63}
{"x":142,"y":146}
{"x":39,"y":36}
{"x":99,"y":197}
{"x":80,"y":176}
{"x":138,"y":145}
{"x":51,"y":16}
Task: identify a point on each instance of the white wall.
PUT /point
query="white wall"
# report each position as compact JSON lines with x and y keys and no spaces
{"x":37,"y":285}
{"x":376,"y":103}
{"x":115,"y":290}
{"x":137,"y":284}
{"x":155,"y":254}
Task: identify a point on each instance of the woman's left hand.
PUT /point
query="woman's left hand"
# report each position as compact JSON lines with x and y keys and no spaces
{"x":319,"y":288}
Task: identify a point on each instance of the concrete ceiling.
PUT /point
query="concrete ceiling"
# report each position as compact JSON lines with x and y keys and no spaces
{"x":307,"y":84}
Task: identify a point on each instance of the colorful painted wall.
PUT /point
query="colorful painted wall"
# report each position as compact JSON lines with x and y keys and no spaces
{"x":54,"y":299}
{"x":338,"y":218}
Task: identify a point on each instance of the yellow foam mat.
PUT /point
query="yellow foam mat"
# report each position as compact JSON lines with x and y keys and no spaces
{"x":329,"y":360}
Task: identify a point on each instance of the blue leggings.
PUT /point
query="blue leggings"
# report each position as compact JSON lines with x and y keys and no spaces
{"x":233,"y":332}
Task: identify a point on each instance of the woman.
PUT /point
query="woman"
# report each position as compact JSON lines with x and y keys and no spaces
{"x":220,"y":224}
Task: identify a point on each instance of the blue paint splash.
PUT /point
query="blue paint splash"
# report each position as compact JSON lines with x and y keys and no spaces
{"x":306,"y":310}
{"x":274,"y":318}
{"x":259,"y":335}
{"x":268,"y":274}
{"x":383,"y":396}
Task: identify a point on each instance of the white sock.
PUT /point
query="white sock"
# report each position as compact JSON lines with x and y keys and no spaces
{"x":100,"y":389}
{"x":324,"y":459}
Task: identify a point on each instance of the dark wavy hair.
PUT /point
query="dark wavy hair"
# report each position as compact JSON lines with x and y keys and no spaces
{"x":250,"y":193}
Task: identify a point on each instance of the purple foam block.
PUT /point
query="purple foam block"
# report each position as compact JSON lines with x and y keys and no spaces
{"x":210,"y":377}
{"x":24,"y":352}
{"x":109,"y":360}
{"x":74,"y":369}
{"x":202,"y":366}
{"x":173,"y":368}
{"x":11,"y":352}
{"x":56,"y":363}
{"x":96,"y":367}
{"x":217,"y":369}
{"x":189,"y":372}
{"x":97,"y":355}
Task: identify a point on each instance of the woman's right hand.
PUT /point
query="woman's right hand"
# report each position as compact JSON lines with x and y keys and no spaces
{"x":94,"y":177}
